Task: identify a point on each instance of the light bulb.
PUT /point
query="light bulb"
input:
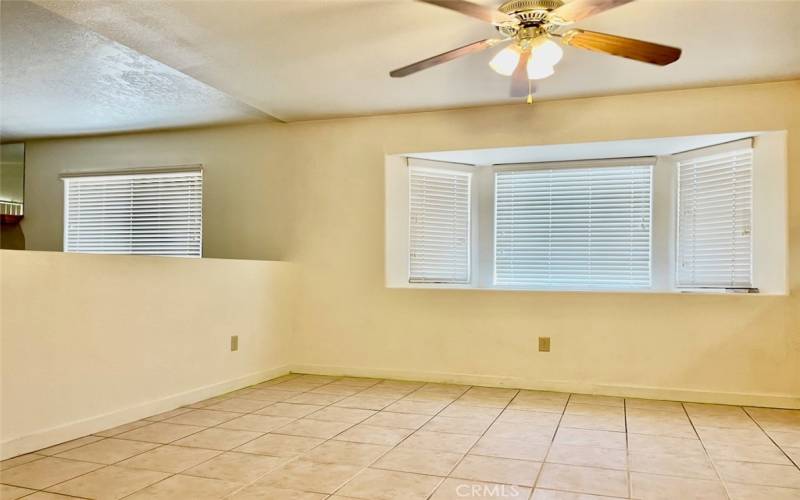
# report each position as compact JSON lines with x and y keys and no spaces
{"x":537,"y":70}
{"x":505,"y":61}
{"x":548,"y":53}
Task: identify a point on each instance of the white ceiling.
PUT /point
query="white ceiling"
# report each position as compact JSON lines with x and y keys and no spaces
{"x":309,"y":59}
{"x":581,"y":151}
{"x":312,"y":59}
{"x":59,"y":78}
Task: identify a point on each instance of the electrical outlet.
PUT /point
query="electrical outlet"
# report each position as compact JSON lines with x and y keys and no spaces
{"x":234,"y":342}
{"x":544,"y":344}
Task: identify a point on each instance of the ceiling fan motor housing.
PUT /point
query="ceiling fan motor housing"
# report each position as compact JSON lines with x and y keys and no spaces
{"x":533,"y":16}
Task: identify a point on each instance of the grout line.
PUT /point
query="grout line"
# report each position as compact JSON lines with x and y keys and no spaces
{"x":796,"y":464}
{"x":627,"y":448}
{"x":558,"y":427}
{"x":713,"y":463}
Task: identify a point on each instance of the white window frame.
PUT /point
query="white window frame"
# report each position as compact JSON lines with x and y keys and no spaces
{"x":600,"y":163}
{"x":70,"y":177}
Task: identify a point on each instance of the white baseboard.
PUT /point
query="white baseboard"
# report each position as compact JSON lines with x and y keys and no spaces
{"x":73,"y":430}
{"x":630,"y":391}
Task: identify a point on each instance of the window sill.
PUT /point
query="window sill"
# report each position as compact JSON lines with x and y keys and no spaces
{"x":644,"y":291}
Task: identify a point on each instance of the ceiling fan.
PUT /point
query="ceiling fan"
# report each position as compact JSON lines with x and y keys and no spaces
{"x":530,"y":26}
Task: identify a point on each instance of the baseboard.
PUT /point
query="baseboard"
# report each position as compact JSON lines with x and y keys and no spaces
{"x":79,"y":428}
{"x":630,"y":391}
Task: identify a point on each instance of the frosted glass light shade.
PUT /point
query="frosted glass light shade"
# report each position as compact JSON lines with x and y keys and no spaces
{"x":537,"y":70}
{"x":548,"y":53}
{"x":505,"y":61}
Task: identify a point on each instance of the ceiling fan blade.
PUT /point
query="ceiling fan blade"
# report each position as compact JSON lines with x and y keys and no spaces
{"x":629,"y":48}
{"x":445,"y":57}
{"x":519,"y":78}
{"x":581,"y":9}
{"x":474,"y":10}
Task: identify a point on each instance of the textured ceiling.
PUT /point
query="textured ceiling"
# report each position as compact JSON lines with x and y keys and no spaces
{"x":307,"y":59}
{"x":59,"y":78}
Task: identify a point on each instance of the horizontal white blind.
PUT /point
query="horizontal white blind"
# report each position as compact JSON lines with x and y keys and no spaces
{"x":715,"y":193}
{"x":439,"y":225}
{"x":147,"y":214}
{"x":573,"y":227}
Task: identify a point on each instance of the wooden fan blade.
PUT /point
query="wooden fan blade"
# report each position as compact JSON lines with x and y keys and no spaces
{"x":629,"y":48}
{"x":445,"y":57}
{"x":519,"y":78}
{"x":581,"y":9}
{"x":474,"y":10}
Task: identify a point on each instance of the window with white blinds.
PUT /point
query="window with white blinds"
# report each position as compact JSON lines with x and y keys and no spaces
{"x":574,"y":227}
{"x":439,"y":225}
{"x":715,"y":193}
{"x":143,"y":214}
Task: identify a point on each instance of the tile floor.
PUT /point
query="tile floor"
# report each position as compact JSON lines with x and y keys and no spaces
{"x":317,"y":437}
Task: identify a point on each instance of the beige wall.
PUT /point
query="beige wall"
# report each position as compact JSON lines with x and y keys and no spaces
{"x":89,"y":342}
{"x":313,"y":193}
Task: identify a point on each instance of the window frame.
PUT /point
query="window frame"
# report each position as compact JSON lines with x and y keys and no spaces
{"x":645,"y":161}
{"x":68,"y":177}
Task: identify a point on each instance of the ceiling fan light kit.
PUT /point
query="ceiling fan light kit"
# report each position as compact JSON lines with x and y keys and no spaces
{"x":529,"y":26}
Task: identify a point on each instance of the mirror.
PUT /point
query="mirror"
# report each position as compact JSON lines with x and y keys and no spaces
{"x":12,"y":195}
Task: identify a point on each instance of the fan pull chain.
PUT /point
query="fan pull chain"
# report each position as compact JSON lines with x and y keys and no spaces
{"x":530,"y":93}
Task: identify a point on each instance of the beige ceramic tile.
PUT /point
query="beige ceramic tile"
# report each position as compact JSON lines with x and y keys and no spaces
{"x":264,"y":491}
{"x":664,"y":427}
{"x":763,"y":453}
{"x":574,"y":408}
{"x":458,"y":410}
{"x":793,"y":453}
{"x":270,"y":395}
{"x":46,"y":472}
{"x":696,"y":466}
{"x":239,"y":405}
{"x":655,"y":487}
{"x":772,"y":419}
{"x":595,"y":422}
{"x":490,"y":401}
{"x":169,"y":458}
{"x":732,"y":436}
{"x":741,"y":421}
{"x":786,"y":438}
{"x":12,"y":492}
{"x":584,"y":437}
{"x":584,"y":480}
{"x":397,"y":420}
{"x":365,"y":402}
{"x":43,"y":495}
{"x":739,"y":491}
{"x":187,"y":487}
{"x":19,"y":460}
{"x":659,"y":445}
{"x":123,"y":428}
{"x":337,"y":414}
{"x":313,"y":428}
{"x":376,"y":484}
{"x":280,"y":445}
{"x":160,"y":432}
{"x":168,"y":414}
{"x":497,"y":470}
{"x":531,"y":433}
{"x":363,"y":433}
{"x":587,"y":456}
{"x":340,"y":390}
{"x":419,"y":407}
{"x":69,"y":445}
{"x":203,"y":417}
{"x":236,"y":467}
{"x":257,"y":423}
{"x":442,"y":441}
{"x":294,"y":410}
{"x":458,"y":489}
{"x":310,"y":476}
{"x":346,"y":452}
{"x":316,"y":399}
{"x":109,"y":483}
{"x":108,"y":451}
{"x":421,"y":461}
{"x":654,"y":404}
{"x":509,"y":448}
{"x":695,"y":409}
{"x":542,"y":494}
{"x":597,"y":400}
{"x":787,"y":476}
{"x":215,"y":438}
{"x":530,"y":417}
{"x":476,"y":426}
